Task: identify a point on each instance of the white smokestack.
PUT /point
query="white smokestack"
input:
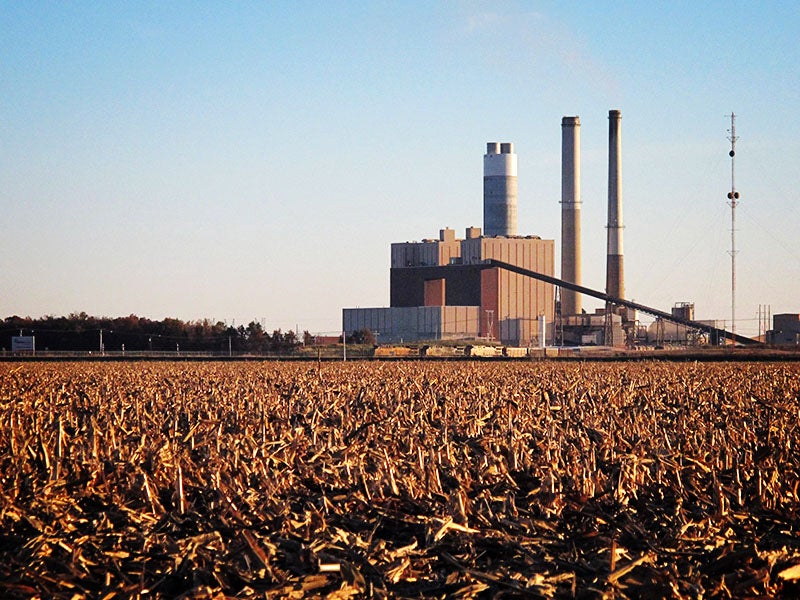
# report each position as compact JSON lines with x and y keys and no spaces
{"x":499,"y":190}
{"x":571,"y":212}
{"x":615,"y":272}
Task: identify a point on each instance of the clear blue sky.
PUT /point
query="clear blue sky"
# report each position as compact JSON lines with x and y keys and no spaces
{"x":255,"y":160}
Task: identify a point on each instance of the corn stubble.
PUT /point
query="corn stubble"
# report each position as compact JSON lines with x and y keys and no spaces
{"x":396,"y":480}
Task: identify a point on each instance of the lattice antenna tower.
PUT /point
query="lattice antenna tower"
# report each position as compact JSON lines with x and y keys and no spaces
{"x":733,"y":197}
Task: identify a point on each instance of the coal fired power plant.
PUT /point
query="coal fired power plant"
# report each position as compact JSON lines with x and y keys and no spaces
{"x":498,"y":286}
{"x":444,"y":289}
{"x":447,"y":288}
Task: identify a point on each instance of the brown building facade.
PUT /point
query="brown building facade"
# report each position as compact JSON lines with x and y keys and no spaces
{"x":448,"y":273}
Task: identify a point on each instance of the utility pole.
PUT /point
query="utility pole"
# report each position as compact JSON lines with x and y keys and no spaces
{"x":759,"y":321}
{"x":733,"y":196}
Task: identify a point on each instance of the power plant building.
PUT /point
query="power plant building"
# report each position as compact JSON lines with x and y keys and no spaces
{"x":450,"y":288}
{"x":785,"y":329}
{"x":440,"y":289}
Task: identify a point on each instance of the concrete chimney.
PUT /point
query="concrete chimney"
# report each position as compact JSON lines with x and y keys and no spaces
{"x":571,"y":212}
{"x":499,"y":190}
{"x":615,"y":273}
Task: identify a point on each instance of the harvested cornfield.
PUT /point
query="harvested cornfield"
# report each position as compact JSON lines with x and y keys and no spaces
{"x":399,"y":480}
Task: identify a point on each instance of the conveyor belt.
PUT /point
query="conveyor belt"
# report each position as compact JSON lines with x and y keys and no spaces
{"x":715,"y":332}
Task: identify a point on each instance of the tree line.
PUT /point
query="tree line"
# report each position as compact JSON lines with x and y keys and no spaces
{"x":81,"y":332}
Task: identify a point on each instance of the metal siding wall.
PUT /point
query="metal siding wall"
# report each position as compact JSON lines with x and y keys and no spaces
{"x":449,"y":320}
{"x":459,"y":321}
{"x":409,"y":324}
{"x":520,"y":299}
{"x":428,"y":254}
{"x":489,"y":299}
{"x":517,"y":300}
{"x":435,"y":292}
{"x":432,"y":254}
{"x":471,"y":250}
{"x":512,"y":290}
{"x":528,"y":299}
{"x":394,"y":318}
{"x":505,"y":290}
{"x":448,"y":250}
{"x":375,"y":320}
{"x":532,"y":298}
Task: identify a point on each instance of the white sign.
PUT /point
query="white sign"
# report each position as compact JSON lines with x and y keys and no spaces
{"x":23,"y":343}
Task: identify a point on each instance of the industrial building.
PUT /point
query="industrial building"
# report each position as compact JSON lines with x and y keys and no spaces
{"x":498,"y":285}
{"x":785,"y":330}
{"x":439,"y":289}
{"x":663,"y":332}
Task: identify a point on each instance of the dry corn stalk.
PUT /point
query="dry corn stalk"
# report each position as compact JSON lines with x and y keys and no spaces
{"x":399,"y":479}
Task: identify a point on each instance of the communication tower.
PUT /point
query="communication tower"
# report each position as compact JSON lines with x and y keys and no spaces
{"x":733,"y":197}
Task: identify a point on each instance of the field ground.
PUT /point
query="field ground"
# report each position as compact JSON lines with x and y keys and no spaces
{"x":399,"y":480}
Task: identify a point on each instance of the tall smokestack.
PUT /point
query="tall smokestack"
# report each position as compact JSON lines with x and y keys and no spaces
{"x":499,"y":190}
{"x":615,"y":274}
{"x":570,"y":212}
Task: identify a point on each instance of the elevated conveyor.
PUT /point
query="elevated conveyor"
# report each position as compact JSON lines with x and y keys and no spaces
{"x":714,"y":332}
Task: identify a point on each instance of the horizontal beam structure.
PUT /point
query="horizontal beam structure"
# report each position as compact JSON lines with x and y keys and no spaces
{"x":714,"y":331}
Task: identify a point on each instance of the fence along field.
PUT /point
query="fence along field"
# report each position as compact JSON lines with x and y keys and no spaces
{"x":211,"y":480}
